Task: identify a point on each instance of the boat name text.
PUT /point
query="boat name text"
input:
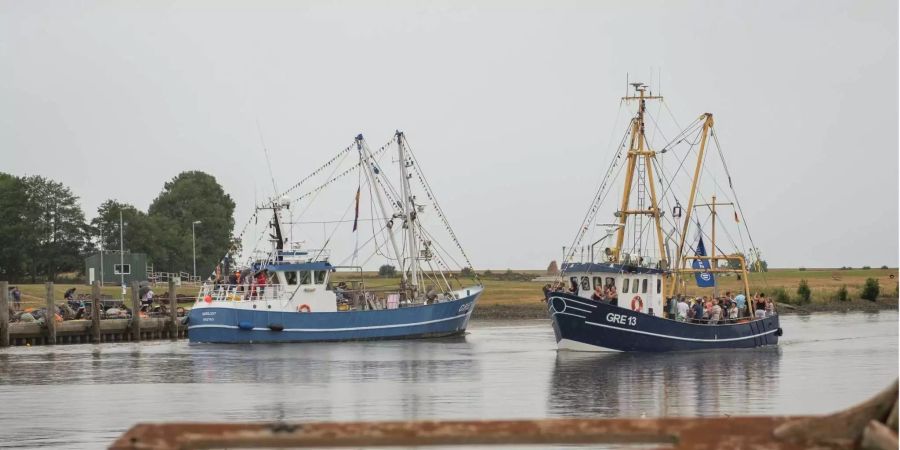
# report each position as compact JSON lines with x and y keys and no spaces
{"x":621,"y":319}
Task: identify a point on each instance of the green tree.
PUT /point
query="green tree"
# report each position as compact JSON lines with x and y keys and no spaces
{"x":467,"y":272}
{"x":803,"y":292}
{"x":13,"y":248}
{"x":870,"y":290}
{"x":733,"y":263}
{"x":136,"y":232}
{"x":759,"y":266}
{"x":387,"y":270}
{"x":189,"y":197}
{"x":842,"y":294}
{"x":57,"y":237}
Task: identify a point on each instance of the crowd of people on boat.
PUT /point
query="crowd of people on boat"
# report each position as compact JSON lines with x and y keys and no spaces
{"x":721,"y":310}
{"x":606,"y":293}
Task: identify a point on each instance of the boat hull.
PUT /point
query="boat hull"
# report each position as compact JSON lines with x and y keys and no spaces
{"x":585,"y":325}
{"x":234,"y":325}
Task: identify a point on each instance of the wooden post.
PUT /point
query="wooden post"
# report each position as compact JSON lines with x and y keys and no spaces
{"x":50,"y":319}
{"x":95,"y":313}
{"x":173,"y":305}
{"x":135,"y":313}
{"x":4,"y":314}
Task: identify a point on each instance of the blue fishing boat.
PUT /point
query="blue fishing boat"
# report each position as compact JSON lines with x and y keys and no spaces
{"x":292,"y":294}
{"x":635,"y":294}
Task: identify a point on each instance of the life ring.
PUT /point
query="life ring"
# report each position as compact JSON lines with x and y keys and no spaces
{"x":304,"y":308}
{"x":637,"y":303}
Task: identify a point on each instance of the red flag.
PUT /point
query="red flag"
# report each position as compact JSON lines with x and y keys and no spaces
{"x":356,"y":217}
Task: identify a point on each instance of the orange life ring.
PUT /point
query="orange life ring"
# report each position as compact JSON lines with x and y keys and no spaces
{"x":304,"y":308}
{"x":637,"y":304}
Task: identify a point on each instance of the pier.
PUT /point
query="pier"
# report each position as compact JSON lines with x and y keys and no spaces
{"x":95,"y":329}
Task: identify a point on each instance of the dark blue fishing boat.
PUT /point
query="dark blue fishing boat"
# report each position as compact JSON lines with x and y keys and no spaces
{"x":635,"y":296}
{"x":292,"y":294}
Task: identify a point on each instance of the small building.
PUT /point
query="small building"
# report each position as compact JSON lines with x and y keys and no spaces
{"x":114,"y":264}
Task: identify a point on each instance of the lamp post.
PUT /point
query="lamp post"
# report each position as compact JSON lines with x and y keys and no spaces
{"x":122,"y":253}
{"x":101,"y":254}
{"x":194,"y":243}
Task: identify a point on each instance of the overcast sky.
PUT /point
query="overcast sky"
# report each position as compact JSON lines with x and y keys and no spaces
{"x":509,"y":105}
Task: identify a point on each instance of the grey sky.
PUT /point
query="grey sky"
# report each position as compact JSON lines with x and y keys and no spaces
{"x":509,"y":105}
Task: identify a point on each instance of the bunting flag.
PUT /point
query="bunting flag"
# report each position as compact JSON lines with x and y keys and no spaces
{"x":356,"y":216}
{"x":704,"y":279}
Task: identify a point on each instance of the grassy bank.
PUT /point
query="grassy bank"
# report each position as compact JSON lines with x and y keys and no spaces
{"x":511,"y":295}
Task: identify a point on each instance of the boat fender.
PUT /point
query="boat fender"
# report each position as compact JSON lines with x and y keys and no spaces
{"x":637,"y":303}
{"x":276,"y":327}
{"x":244,"y":325}
{"x":778,"y":332}
{"x":304,"y":308}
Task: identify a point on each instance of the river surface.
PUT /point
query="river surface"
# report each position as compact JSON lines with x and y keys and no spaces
{"x":84,"y":396}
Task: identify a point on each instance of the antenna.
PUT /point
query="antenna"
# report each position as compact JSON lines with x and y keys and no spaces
{"x":266,"y":152}
{"x":626,"y":84}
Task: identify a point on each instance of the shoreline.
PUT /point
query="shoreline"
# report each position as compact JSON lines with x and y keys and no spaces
{"x":537,"y":309}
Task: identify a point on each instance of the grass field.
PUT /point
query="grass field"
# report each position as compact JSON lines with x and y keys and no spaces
{"x":499,"y":293}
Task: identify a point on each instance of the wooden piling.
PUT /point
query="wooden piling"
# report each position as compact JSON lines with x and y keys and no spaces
{"x":173,"y":311}
{"x":135,"y":313}
{"x":95,"y":313}
{"x":4,"y":314}
{"x":50,"y":317}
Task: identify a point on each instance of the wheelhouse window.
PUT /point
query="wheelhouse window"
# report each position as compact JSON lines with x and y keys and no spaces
{"x":658,"y":285}
{"x":585,"y":284}
{"x":625,"y":283}
{"x":320,"y":276}
{"x":644,"y":286}
{"x":291,"y":278}
{"x":598,"y":281}
{"x":122,"y":269}
{"x":304,"y":277}
{"x":610,"y":281}
{"x":574,"y":283}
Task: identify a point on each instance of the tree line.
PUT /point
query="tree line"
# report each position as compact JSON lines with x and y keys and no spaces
{"x":44,"y":233}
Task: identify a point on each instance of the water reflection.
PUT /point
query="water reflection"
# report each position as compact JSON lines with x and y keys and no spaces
{"x":678,"y":384}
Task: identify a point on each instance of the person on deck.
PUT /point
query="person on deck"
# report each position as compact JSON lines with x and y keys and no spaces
{"x":681,"y":310}
{"x":698,"y":311}
{"x":770,"y":307}
{"x":260,"y":281}
{"x":598,"y":294}
{"x":715,"y":314}
{"x":741,"y":301}
{"x":611,"y":295}
{"x":733,"y":313}
{"x":760,"y":306}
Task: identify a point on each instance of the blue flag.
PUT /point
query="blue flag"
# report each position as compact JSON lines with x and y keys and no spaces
{"x":704,"y":279}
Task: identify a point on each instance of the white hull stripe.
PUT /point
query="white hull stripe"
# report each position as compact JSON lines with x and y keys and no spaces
{"x":569,"y":314}
{"x":681,"y":338}
{"x":578,"y":309}
{"x":373,"y":327}
{"x":576,"y":301}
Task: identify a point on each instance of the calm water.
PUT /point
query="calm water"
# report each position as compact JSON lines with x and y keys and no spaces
{"x":84,"y":396}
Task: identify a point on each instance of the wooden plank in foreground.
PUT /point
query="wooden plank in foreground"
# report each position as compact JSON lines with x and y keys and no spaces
{"x":860,"y":426}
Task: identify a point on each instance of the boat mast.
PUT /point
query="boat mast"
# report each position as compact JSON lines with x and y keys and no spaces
{"x":409,"y":215}
{"x":639,"y":148}
{"x":365,"y":159}
{"x":679,"y":254}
